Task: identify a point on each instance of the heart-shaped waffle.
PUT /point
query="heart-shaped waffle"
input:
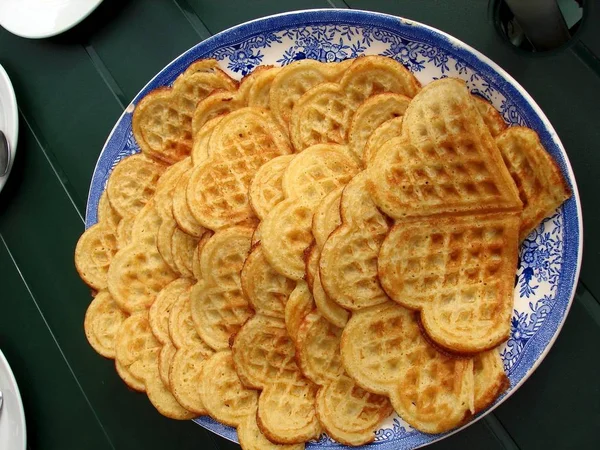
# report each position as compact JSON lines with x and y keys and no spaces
{"x":162,"y":120}
{"x":286,"y":231}
{"x":347,"y":412}
{"x":372,"y":113}
{"x":267,"y":291}
{"x":264,"y":359}
{"x":231,"y":403}
{"x":103,"y":319}
{"x":106,"y":213}
{"x":295,"y":79}
{"x":134,"y":338}
{"x":158,"y":317}
{"x":324,"y":113}
{"x":219,"y":307}
{"x":146,"y":369}
{"x":542,"y":187}
{"x":266,"y":188}
{"x":186,"y":366}
{"x":299,"y":305}
{"x":446,"y":160}
{"x":138,"y":272}
{"x":254,"y":90}
{"x":325,"y":220}
{"x":459,"y":272}
{"x":94,"y":253}
{"x":348,"y":263}
{"x":384,"y":351}
{"x":240,"y":144}
{"x":132,"y":183}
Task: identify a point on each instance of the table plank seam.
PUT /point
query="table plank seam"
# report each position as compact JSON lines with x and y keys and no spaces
{"x":194,"y":20}
{"x":588,"y":301}
{"x":106,"y":76}
{"x":338,"y":4}
{"x":495,"y":426}
{"x":52,"y":335}
{"x":586,"y":56}
{"x":55,"y":166}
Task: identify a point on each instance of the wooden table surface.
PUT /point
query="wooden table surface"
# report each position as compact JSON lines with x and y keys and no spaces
{"x":72,"y":88}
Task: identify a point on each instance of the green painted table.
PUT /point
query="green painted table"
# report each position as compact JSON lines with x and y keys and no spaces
{"x":72,"y":88}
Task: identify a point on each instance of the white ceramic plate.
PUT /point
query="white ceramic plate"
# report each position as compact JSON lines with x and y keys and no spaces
{"x":549,"y":258}
{"x":9,"y":119}
{"x":13,"y":433}
{"x":43,"y":18}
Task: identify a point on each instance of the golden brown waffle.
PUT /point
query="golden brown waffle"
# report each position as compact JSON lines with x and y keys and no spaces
{"x":163,"y":197}
{"x":124,"y":231}
{"x":146,"y":369}
{"x":165,"y":359}
{"x":326,"y":306}
{"x":209,"y":110}
{"x":202,"y":138}
{"x":266,"y":188}
{"x":348,"y":413}
{"x":295,"y":79}
{"x":299,"y":305}
{"x":445,"y":162}
{"x":325,"y":220}
{"x":229,"y":402}
{"x":162,"y":120}
{"x":134,"y":338}
{"x":382,"y":348}
{"x":325,"y":112}
{"x":132,"y":183}
{"x":327,"y":216}
{"x":183,"y":246}
{"x":106,"y":213}
{"x":256,"y":87}
{"x":102,"y":322}
{"x":219,"y":307}
{"x":490,"y":115}
{"x":164,"y":242}
{"x":251,"y":438}
{"x":314,"y":173}
{"x":286,"y":231}
{"x":348,"y":263}
{"x":459,"y":272}
{"x":136,"y":275}
{"x":542,"y":187}
{"x":186,"y":365}
{"x":264,"y":359}
{"x":387,"y":130}
{"x":185,"y":375}
{"x":267,"y":291}
{"x":196,"y":268}
{"x":146,"y":225}
{"x":254,"y":90}
{"x":243,"y":141}
{"x":226,"y":399}
{"x":372,"y":113}
{"x":181,"y":211}
{"x":93,"y":254}
{"x":160,"y":311}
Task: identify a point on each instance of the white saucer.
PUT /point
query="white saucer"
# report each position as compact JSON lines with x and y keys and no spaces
{"x":13,"y":432}
{"x":9,"y":119}
{"x":43,"y":18}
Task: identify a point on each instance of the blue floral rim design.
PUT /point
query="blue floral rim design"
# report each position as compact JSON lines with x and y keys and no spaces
{"x":550,"y":257}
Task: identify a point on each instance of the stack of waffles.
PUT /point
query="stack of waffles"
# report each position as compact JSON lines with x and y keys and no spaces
{"x":313,"y":249}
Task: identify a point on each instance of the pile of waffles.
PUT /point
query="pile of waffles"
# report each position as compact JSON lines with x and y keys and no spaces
{"x":314,"y":248}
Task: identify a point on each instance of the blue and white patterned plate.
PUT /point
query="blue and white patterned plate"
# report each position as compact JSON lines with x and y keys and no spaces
{"x":549,"y":258}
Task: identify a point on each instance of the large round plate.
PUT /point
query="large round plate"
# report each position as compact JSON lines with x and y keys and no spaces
{"x":549,"y":258}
